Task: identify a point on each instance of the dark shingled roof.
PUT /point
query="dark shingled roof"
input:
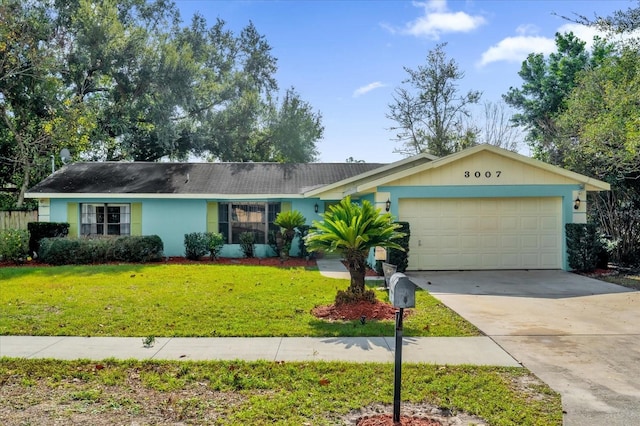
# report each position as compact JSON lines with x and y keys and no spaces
{"x":196,"y":178}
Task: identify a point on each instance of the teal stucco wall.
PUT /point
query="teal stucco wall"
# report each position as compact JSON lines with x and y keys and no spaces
{"x":171,"y":219}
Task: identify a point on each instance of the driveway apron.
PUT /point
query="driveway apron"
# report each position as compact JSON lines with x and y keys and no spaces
{"x":580,"y":335}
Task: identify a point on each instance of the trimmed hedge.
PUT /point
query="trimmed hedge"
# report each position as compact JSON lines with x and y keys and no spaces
{"x":40,"y":230}
{"x":66,"y":251}
{"x":584,"y":248}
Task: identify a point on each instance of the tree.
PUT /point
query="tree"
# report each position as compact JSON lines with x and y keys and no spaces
{"x":498,"y":129}
{"x":429,"y":113}
{"x":294,"y":131}
{"x":619,"y":22}
{"x":353,"y":230}
{"x":125,"y":80}
{"x":546,"y":84}
{"x":600,"y":130}
{"x":36,"y":119}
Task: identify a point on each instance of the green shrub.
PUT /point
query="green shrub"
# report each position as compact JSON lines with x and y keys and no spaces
{"x":396,"y":257}
{"x":40,"y":230}
{"x":584,"y":248}
{"x":64,"y":251}
{"x":215,"y":241}
{"x":196,"y":245}
{"x":59,"y":251}
{"x":247,"y":244}
{"x":147,"y":248}
{"x":288,"y":222}
{"x":303,"y":231}
{"x":274,"y":239}
{"x":14,"y":244}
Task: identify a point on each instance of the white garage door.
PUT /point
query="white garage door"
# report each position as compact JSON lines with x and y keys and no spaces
{"x":483,"y":233}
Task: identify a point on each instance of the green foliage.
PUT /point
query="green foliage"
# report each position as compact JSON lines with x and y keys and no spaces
{"x":149,"y":341}
{"x":14,"y":244}
{"x":215,"y":241}
{"x":353,"y":230}
{"x":601,"y":138}
{"x":599,"y":127}
{"x":274,"y":239}
{"x":547,"y":82}
{"x":295,"y":130}
{"x":302,"y":242}
{"x":196,"y":245}
{"x":247,"y":244}
{"x":583,"y":246}
{"x":399,"y":258}
{"x":288,"y":222}
{"x":65,"y":251}
{"x":143,"y":249}
{"x":347,"y":297}
{"x":40,"y":230}
{"x":129,"y":80}
{"x":429,"y":113}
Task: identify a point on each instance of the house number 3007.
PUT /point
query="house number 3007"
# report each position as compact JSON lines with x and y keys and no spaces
{"x":478,"y":174}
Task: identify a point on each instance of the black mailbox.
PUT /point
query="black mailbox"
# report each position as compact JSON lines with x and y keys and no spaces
{"x":402,"y":291}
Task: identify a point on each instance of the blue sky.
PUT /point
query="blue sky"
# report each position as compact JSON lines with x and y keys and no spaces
{"x":346,"y":57}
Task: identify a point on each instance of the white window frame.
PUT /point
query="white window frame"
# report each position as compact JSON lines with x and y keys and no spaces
{"x":95,"y":219}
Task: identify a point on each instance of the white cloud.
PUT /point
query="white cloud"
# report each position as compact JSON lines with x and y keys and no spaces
{"x":366,"y":89}
{"x":437,"y":20}
{"x":516,"y":49}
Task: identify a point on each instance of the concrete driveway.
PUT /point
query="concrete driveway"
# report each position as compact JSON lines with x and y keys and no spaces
{"x":580,"y":335}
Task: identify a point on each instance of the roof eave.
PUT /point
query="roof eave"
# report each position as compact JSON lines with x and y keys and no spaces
{"x":331,"y":187}
{"x":86,"y":195}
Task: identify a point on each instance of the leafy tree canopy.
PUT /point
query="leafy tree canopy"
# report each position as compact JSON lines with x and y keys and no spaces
{"x":127,"y":80}
{"x":547,"y":81}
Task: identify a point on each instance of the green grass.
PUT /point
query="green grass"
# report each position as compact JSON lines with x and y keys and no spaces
{"x":192,"y":300}
{"x":628,"y":280}
{"x":261,"y":393}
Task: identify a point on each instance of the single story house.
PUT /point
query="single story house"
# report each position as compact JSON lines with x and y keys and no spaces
{"x":481,"y":208}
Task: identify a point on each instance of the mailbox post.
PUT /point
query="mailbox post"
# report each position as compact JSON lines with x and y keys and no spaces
{"x":402,"y":294}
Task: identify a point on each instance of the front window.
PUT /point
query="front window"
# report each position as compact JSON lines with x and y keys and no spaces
{"x":105,"y":219}
{"x":237,"y":218}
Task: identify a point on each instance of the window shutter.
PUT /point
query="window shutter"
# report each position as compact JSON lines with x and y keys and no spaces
{"x":72,"y":219}
{"x":136,"y":218}
{"x":212,"y":216}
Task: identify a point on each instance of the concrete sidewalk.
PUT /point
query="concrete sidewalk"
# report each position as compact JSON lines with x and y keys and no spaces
{"x":434,"y":350}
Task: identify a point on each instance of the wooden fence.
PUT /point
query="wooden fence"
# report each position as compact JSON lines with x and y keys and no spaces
{"x":17,"y":219}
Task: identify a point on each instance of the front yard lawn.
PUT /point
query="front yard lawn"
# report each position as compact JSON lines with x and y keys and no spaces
{"x":193,"y":300}
{"x":261,"y":393}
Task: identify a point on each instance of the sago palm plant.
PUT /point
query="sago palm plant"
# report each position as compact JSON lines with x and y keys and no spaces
{"x":288,"y":222}
{"x":352,"y":230}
